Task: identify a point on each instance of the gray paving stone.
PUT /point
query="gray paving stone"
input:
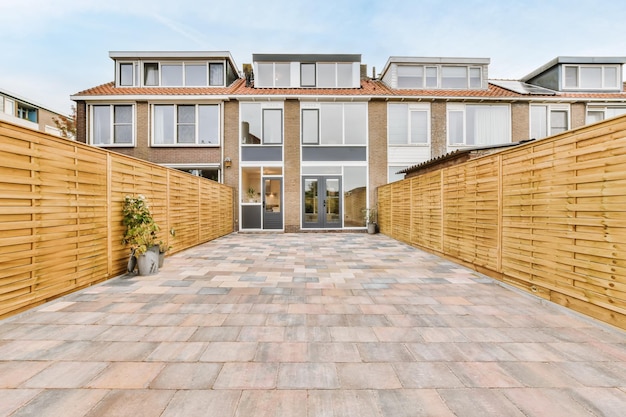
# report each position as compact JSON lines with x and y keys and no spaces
{"x":308,"y":325}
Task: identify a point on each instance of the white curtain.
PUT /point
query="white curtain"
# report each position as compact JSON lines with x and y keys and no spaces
{"x":163,"y":124}
{"x":487,"y":125}
{"x":101,"y":125}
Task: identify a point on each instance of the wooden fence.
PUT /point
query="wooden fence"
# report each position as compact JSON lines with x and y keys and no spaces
{"x":548,"y":217}
{"x":61,"y":214}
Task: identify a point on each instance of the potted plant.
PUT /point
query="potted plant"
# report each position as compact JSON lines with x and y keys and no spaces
{"x":140,"y":235}
{"x":251,"y":193}
{"x":163,"y":248}
{"x":371,"y":215}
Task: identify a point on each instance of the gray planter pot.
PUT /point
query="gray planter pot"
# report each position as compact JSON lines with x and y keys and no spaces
{"x":371,"y":228}
{"x":148,"y":263}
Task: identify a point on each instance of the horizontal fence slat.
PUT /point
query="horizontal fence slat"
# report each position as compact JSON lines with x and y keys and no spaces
{"x":548,"y":217}
{"x":56,"y":197}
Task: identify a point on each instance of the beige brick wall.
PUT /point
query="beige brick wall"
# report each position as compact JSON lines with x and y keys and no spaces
{"x":231,"y":150}
{"x":578,"y":115}
{"x":438,"y":129}
{"x":377,"y":150}
{"x":291,"y":171}
{"x":520,"y":121}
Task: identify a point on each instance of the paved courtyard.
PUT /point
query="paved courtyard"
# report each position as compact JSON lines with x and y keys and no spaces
{"x":308,"y":325}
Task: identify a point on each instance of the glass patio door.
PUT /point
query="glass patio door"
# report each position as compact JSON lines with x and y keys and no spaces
{"x":321,"y":205}
{"x":273,"y":203}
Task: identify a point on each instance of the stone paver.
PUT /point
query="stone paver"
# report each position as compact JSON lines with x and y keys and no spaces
{"x":308,"y":325}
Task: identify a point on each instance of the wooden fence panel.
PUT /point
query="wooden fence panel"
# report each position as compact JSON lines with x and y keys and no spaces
{"x":426,"y":220}
{"x":61,"y":213}
{"x":548,"y":217}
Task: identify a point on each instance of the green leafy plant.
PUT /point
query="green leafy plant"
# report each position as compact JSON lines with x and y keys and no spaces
{"x":141,"y":230}
{"x":370,"y":215}
{"x":251,"y":192}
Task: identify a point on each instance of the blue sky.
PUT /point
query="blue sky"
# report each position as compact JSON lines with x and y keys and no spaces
{"x":52,"y":49}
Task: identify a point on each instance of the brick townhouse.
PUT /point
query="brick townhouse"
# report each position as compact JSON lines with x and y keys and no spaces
{"x":305,"y":139}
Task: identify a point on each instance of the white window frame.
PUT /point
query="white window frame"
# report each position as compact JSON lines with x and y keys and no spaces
{"x":617,"y":111}
{"x":275,"y":81}
{"x":548,"y":122}
{"x":175,"y":123}
{"x":183,"y":64}
{"x":112,"y":144}
{"x":260,"y":108}
{"x":320,"y":128}
{"x":410,"y":108}
{"x":438,"y":78}
{"x":617,"y":82}
{"x":134,"y":74}
{"x":460,"y":107}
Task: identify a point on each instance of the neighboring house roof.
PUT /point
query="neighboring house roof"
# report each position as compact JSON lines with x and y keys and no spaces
{"x":238,"y":88}
{"x":109,"y":89}
{"x":7,"y":93}
{"x":574,"y":60}
{"x":306,"y":57}
{"x":497,"y":90}
{"x":460,"y":155}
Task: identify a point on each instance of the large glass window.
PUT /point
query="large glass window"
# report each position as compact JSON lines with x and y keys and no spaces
{"x":431,"y":77}
{"x":344,"y":75}
{"x":186,"y":124}
{"x":333,"y":75}
{"x":126,"y":74}
{"x":282,"y":75}
{"x":216,"y":74}
{"x":326,"y":75}
{"x":477,"y":125}
{"x":453,"y":77}
{"x":547,"y":120}
{"x":187,"y":74}
{"x":172,"y":75}
{"x":408,"y":124}
{"x":354,"y":196}
{"x":310,"y":126}
{"x":270,"y":74}
{"x":26,"y":112}
{"x":410,"y":76}
{"x":195,"y":75}
{"x":272,"y":126}
{"x":475,"y":78}
{"x":307,"y":75}
{"x":151,"y":74}
{"x":261,"y":124}
{"x":112,"y":125}
{"x":591,"y":77}
{"x":596,"y":114}
{"x":335,"y":124}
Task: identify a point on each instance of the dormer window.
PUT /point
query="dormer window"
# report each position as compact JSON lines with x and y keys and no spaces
{"x":591,"y":77}
{"x":127,"y":74}
{"x":274,"y":74}
{"x":307,"y":75}
{"x":331,"y":75}
{"x":444,"y":76}
{"x":308,"y":71}
{"x":183,"y":74}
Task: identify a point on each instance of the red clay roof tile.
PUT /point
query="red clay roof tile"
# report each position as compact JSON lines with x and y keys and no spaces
{"x":368,"y":88}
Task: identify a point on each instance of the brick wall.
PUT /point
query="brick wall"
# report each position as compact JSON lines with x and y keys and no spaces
{"x":520,"y":122}
{"x":291,"y":171}
{"x":438,"y":129}
{"x":578,"y":115}
{"x":377,"y":115}
{"x":231,"y":150}
{"x":81,"y":121}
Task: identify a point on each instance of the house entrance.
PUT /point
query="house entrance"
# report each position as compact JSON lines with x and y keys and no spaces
{"x":321,"y":205}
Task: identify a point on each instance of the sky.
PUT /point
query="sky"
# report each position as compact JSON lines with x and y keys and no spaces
{"x":51,"y":49}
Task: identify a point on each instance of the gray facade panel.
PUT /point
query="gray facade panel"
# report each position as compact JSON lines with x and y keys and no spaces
{"x":261,"y":153}
{"x":334,"y":153}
